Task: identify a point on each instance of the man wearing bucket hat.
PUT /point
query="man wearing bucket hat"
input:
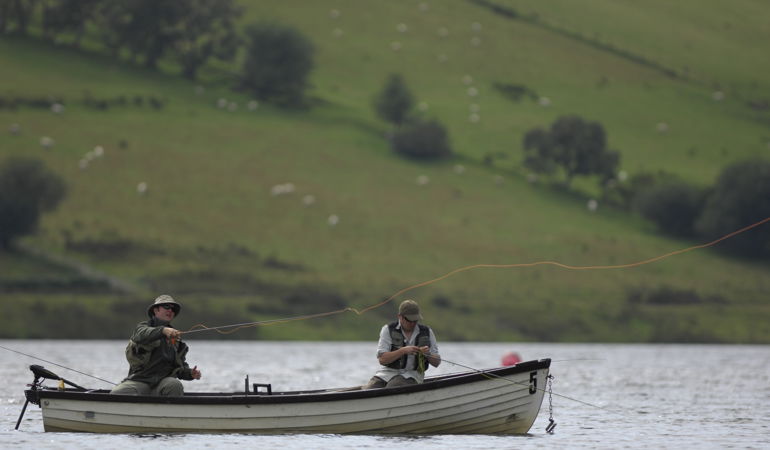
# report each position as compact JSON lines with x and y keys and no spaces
{"x":156,"y":354}
{"x":406,"y":349}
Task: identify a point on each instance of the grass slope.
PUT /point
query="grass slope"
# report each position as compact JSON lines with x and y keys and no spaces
{"x":209,"y":231}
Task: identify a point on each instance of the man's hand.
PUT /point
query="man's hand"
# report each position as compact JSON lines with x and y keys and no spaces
{"x":171,"y":333}
{"x":413,"y":349}
{"x":196,"y":374}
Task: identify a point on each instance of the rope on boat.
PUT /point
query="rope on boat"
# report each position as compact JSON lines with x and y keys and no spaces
{"x":236,"y":327}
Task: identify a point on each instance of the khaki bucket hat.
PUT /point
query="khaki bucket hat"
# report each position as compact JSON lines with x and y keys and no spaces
{"x":164,"y":300}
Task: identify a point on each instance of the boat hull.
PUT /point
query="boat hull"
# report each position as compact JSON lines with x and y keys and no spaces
{"x":497,"y":401}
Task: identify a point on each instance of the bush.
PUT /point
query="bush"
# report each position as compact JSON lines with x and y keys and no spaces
{"x":741,"y":197}
{"x":673,"y":206}
{"x":27,"y":189}
{"x":623,"y":194}
{"x":422,"y":140}
{"x":667,"y":295}
{"x":278,"y":62}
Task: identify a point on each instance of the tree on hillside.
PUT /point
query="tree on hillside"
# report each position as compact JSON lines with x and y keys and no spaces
{"x":27,"y":189}
{"x":18,"y":13}
{"x":207,"y":30}
{"x":740,"y":197}
{"x":191,"y":31}
{"x":146,"y":28}
{"x":5,"y":8}
{"x":277,"y":65}
{"x":575,"y":146}
{"x":395,"y":102}
{"x":68,"y":16}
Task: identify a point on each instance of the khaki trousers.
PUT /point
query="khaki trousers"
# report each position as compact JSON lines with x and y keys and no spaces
{"x":168,"y":387}
{"x":398,"y":380}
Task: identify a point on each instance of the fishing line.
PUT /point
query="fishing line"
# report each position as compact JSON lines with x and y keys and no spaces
{"x":578,"y":359}
{"x":526,"y":383}
{"x":520,"y":383}
{"x":203,"y":327}
{"x":59,"y":365}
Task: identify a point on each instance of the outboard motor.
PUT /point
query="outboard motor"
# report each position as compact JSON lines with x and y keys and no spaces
{"x":41,"y":373}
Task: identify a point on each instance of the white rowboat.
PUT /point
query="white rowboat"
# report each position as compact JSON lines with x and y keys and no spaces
{"x":504,"y":400}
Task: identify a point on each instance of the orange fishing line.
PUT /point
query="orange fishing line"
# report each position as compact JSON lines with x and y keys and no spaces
{"x":201,"y":327}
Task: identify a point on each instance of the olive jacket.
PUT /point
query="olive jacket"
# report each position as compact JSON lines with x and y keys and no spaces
{"x":152,"y":356}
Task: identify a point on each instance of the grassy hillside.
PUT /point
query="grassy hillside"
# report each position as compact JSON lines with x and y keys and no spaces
{"x":710,"y":43}
{"x":209,"y":231}
{"x":578,"y":78}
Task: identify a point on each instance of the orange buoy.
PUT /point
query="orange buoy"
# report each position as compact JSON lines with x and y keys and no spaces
{"x":511,"y":359}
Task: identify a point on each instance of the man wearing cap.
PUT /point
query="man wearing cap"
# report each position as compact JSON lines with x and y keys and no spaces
{"x":406,"y":349}
{"x":156,"y":354}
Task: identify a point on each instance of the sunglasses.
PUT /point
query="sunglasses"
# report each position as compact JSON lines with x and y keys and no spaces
{"x":168,"y":307}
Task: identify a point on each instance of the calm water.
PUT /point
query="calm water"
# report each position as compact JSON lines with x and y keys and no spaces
{"x":605,"y":396}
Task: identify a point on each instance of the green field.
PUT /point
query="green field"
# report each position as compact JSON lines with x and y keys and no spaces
{"x":209,"y":232}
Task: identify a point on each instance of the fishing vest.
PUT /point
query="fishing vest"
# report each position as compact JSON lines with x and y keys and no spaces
{"x":397,"y":339}
{"x":139,"y":355}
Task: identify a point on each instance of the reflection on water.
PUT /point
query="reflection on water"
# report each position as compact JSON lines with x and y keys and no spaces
{"x":605,"y":396}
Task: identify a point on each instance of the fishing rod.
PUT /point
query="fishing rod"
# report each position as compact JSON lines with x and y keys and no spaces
{"x":58,"y":365}
{"x":201,"y":327}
